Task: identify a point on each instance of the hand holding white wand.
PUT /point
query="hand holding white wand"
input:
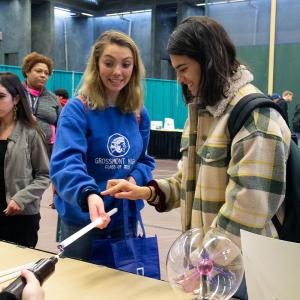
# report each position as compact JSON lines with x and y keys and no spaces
{"x":65,"y":243}
{"x":43,"y":268}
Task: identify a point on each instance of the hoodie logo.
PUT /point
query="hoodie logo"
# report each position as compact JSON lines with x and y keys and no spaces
{"x":118,"y":145}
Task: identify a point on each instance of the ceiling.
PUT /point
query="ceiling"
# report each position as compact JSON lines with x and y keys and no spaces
{"x":102,"y":7}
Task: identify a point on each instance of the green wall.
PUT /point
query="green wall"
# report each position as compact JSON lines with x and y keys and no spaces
{"x":286,"y":69}
{"x":59,"y":79}
{"x":163,"y":98}
{"x":287,"y":72}
{"x":256,"y":59}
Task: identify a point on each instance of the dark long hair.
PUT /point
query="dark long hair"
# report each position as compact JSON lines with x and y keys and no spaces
{"x":14,"y":86}
{"x":207,"y":42}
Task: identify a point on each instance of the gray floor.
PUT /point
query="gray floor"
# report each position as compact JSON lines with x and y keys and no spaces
{"x":165,"y":225}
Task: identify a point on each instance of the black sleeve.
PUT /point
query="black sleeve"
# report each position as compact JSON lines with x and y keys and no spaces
{"x":7,"y":296}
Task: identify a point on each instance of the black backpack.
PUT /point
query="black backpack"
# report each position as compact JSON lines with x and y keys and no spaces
{"x":290,"y":229}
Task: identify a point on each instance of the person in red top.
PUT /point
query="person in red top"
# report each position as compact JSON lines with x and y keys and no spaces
{"x":62,"y":96}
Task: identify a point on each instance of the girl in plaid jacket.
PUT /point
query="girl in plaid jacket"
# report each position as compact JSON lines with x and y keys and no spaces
{"x":222,"y":184}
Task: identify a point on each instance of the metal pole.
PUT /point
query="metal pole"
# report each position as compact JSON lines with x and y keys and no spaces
{"x":129,"y":24}
{"x":73,"y":83}
{"x":66,"y":45}
{"x":272,"y":46}
{"x":206,"y":8}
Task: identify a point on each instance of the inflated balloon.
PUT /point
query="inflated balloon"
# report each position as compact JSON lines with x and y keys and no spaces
{"x":201,"y":268}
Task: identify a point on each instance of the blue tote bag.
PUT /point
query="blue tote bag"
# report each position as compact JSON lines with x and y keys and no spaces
{"x":137,"y":255}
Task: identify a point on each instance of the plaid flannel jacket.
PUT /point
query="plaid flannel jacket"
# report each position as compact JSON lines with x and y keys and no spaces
{"x":230,"y":188}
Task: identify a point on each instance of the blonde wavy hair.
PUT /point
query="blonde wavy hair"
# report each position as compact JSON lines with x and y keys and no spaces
{"x":131,"y":97}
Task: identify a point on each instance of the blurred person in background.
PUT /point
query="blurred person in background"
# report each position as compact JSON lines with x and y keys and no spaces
{"x":62,"y":96}
{"x":36,"y":69}
{"x":275,"y":97}
{"x":296,"y":123}
{"x":282,"y":102}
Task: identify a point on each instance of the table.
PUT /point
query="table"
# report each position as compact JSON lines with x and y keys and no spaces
{"x":77,"y":280}
{"x":165,"y":144}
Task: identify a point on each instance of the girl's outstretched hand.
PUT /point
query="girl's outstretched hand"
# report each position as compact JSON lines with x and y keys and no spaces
{"x":123,"y":189}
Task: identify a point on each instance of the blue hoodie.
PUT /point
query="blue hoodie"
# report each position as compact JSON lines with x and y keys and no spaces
{"x":91,"y":147}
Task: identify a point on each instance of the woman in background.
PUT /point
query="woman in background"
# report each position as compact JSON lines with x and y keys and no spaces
{"x":36,"y":69}
{"x":102,"y":134}
{"x":24,"y":165}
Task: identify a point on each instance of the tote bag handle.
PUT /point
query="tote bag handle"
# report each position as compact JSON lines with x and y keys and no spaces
{"x":138,"y":218}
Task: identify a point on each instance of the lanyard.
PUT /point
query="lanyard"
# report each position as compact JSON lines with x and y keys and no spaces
{"x":33,"y":97}
{"x":33,"y":103}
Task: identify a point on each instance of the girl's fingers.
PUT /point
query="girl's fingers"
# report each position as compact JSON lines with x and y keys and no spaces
{"x":113,"y":188}
{"x":125,"y":195}
{"x":113,"y":182}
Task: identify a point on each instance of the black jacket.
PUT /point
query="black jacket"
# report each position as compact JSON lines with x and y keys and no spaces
{"x":284,"y":107}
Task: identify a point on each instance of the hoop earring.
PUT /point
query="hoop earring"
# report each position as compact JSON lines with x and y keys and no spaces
{"x":15,"y":112}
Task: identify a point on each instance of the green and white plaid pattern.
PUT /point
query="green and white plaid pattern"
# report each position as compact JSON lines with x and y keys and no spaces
{"x":243,"y":192}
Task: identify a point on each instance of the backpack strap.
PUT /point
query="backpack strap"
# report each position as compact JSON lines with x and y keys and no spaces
{"x":83,"y":100}
{"x":138,"y":118}
{"x":243,"y":109}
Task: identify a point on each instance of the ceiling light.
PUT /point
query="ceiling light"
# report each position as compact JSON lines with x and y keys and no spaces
{"x":86,"y":14}
{"x":220,"y":2}
{"x":141,"y":11}
{"x":118,"y":14}
{"x":61,"y":8}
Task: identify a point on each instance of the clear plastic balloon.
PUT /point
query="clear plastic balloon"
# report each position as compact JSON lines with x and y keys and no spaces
{"x":207,"y":268}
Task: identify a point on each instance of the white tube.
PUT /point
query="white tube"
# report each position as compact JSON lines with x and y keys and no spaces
{"x":83,"y":231}
{"x":16,"y":269}
{"x":10,"y":276}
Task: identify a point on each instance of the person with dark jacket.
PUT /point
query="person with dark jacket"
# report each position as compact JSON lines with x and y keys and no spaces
{"x":282,"y":102}
{"x":296,"y":122}
{"x":36,"y":69}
